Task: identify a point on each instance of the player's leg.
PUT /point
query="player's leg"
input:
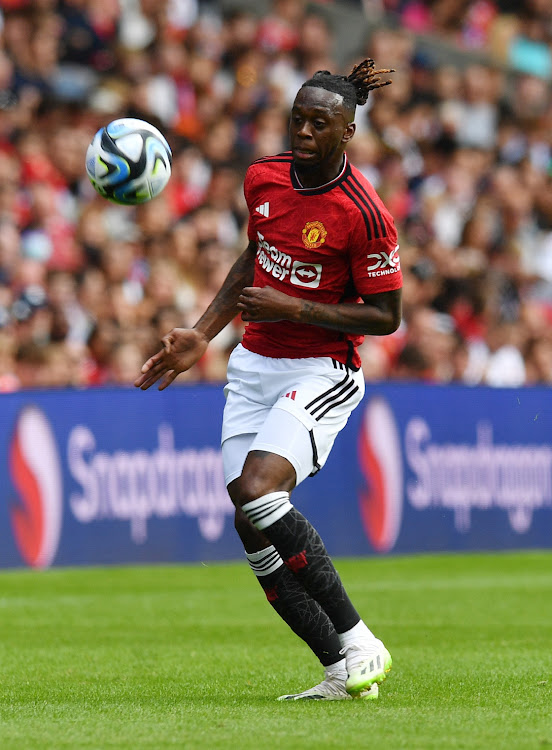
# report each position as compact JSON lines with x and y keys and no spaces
{"x":284,"y":591}
{"x":285,"y":441}
{"x":297,"y":608}
{"x":255,"y":384}
{"x":268,"y":507}
{"x":248,"y":403}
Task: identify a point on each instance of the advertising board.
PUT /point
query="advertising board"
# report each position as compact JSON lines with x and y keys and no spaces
{"x":115,"y":476}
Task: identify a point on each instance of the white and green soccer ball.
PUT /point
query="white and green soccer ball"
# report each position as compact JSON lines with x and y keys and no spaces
{"x":129,"y":161}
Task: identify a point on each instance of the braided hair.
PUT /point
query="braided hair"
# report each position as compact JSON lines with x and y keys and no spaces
{"x":355,"y":87}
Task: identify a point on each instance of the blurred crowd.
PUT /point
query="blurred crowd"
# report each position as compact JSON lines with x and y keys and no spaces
{"x":459,"y":148}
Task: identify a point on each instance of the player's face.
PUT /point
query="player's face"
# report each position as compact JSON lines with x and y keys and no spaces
{"x":319,"y":129}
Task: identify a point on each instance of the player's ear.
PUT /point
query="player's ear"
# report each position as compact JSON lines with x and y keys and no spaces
{"x":349,"y":132}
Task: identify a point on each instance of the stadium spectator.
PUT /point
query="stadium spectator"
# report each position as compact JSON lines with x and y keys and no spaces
{"x":460,"y":149}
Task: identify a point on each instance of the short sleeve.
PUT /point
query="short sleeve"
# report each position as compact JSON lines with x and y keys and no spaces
{"x":375,"y":263}
{"x":248,"y":190}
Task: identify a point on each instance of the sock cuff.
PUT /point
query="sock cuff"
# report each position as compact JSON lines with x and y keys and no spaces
{"x":265,"y":561}
{"x":360,"y":631}
{"x":266,"y":510}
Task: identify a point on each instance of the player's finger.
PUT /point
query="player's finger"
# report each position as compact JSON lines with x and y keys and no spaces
{"x":167,"y":342}
{"x":250,"y":291}
{"x":153,"y":360}
{"x":167,"y":380}
{"x":245,"y":305}
{"x":142,"y":382}
{"x":153,"y":367}
{"x":150,"y":381}
{"x":141,"y":379}
{"x":150,"y":377}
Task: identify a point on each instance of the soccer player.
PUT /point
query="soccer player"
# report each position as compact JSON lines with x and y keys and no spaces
{"x":321,"y":270}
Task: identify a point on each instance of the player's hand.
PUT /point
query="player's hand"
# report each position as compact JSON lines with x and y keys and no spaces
{"x":266,"y":304}
{"x":182,"y":348}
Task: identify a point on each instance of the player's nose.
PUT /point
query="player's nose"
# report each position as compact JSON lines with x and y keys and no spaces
{"x":305,"y":131}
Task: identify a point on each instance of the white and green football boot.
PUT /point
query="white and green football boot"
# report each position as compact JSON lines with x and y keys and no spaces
{"x":332,"y":688}
{"x":368,"y":662}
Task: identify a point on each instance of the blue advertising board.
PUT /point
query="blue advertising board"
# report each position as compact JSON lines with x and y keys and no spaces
{"x":440,"y":468}
{"x":121,"y":476}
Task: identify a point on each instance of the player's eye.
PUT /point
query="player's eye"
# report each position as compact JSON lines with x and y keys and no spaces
{"x":319,"y":124}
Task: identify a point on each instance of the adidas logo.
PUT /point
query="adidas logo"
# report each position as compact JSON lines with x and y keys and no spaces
{"x":263,"y":209}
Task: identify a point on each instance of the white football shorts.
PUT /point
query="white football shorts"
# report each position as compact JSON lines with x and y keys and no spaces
{"x":292,"y":407}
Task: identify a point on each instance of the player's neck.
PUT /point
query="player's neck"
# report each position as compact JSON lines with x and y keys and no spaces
{"x":319,"y":176}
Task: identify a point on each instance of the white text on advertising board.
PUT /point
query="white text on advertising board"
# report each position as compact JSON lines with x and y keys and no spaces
{"x":481,"y":475}
{"x":138,"y":485}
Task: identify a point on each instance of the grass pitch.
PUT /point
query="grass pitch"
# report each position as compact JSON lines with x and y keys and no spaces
{"x":193,"y":657}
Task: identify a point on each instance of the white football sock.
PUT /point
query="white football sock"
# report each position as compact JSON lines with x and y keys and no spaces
{"x":359,"y":632}
{"x":265,"y":561}
{"x":266,"y":510}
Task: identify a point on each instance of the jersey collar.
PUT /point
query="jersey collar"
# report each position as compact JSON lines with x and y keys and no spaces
{"x":321,"y":188}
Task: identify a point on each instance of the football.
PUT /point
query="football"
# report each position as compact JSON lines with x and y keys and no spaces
{"x":129,"y":161}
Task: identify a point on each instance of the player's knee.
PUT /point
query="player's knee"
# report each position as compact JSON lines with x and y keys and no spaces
{"x":250,"y":487}
{"x":252,"y":539}
{"x":262,"y":474}
{"x":246,"y":490}
{"x":242,"y":524}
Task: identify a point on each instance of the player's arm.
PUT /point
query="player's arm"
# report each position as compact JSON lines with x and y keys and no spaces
{"x":183,"y":347}
{"x":378,"y":315}
{"x":224,"y":307}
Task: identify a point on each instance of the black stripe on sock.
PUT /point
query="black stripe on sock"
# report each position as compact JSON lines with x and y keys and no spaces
{"x":258,"y":514}
{"x":265,"y":563}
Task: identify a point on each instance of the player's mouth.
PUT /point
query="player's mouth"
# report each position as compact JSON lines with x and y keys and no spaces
{"x":303,"y":153}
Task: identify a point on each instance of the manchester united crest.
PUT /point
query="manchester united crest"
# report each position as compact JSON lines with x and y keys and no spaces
{"x":314,"y":234}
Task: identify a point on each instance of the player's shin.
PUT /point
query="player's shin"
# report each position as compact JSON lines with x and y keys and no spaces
{"x":304,"y":554}
{"x":300,"y":611}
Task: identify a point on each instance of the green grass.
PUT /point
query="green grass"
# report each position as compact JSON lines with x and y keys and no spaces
{"x":193,"y":657}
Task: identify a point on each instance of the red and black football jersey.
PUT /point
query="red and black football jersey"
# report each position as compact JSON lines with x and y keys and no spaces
{"x":328,"y":244}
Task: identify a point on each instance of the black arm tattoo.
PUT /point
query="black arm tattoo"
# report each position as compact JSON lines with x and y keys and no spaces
{"x":379,"y":314}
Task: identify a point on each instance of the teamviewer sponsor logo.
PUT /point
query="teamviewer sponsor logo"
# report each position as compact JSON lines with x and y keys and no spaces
{"x":271,"y":259}
{"x":383,"y":264}
{"x":35,"y":470}
{"x":380,"y":459}
{"x":306,"y":274}
{"x":279,"y":265}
